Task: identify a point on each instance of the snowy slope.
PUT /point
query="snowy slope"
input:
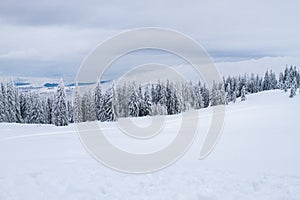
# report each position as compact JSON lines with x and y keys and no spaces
{"x":257,"y":157}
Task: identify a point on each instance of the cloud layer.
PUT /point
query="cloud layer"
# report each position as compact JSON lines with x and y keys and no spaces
{"x":53,"y":37}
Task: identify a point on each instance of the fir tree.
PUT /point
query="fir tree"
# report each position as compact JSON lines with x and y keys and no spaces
{"x":133,"y":104}
{"x":140,"y":100}
{"x":11,"y":103}
{"x":98,"y":100}
{"x":243,"y":94}
{"x":60,"y":113}
{"x":18,"y":106}
{"x":70,"y":112}
{"x":36,"y":112}
{"x":147,"y":102}
{"x":77,"y":106}
{"x":88,"y":107}
{"x":234,"y":96}
{"x":293,"y":88}
{"x":2,"y":107}
{"x":109,"y":108}
{"x":49,"y":110}
{"x":205,"y":95}
{"x":228,"y":94}
{"x":25,"y":107}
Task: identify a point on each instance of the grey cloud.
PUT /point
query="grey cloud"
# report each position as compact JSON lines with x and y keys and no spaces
{"x":35,"y":32}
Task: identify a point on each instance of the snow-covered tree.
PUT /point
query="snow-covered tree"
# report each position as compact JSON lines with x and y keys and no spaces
{"x":161,"y":93}
{"x":243,"y":94}
{"x":88,"y":107}
{"x":234,"y":96}
{"x":77,"y":105}
{"x":2,"y":105}
{"x":11,"y":102}
{"x":214,"y":95}
{"x":199,"y":99}
{"x":70,"y":109}
{"x":60,"y":112}
{"x":222,"y":94}
{"x":98,"y":100}
{"x":147,"y":102}
{"x":141,"y":102}
{"x":205,"y":96}
{"x":228,"y":94}
{"x":133,"y":104}
{"x":158,"y":109}
{"x":109,"y":105}
{"x":293,"y":88}
{"x":37,"y":115}
{"x":18,"y":106}
{"x":49,"y":110}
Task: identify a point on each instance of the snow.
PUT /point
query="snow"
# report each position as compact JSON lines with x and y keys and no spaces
{"x":257,"y":157}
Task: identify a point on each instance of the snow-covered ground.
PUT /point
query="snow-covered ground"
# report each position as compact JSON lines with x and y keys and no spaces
{"x":257,"y":157}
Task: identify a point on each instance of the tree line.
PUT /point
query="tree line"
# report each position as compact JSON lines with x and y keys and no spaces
{"x":135,"y":100}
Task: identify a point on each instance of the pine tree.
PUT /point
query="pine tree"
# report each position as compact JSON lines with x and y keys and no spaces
{"x":205,"y":96}
{"x":88,"y":107}
{"x":98,"y":100}
{"x":25,"y":107}
{"x":234,"y":96}
{"x":199,"y":100}
{"x":11,"y":102}
{"x":266,"y":82}
{"x":222,"y":94}
{"x":215,"y":95}
{"x":140,"y":100}
{"x":123,"y":99}
{"x":161,"y":94}
{"x":228,"y":94}
{"x":147,"y":102}
{"x":77,"y":106}
{"x":153,"y":94}
{"x":158,"y":109}
{"x":49,"y":110}
{"x":18,"y":106}
{"x":60,"y":113}
{"x":109,"y":108}
{"x":243,"y":94}
{"x":133,"y":104}
{"x":293,"y":88}
{"x":70,"y":109}
{"x":281,"y":81}
{"x":36,"y":112}
{"x":2,"y":106}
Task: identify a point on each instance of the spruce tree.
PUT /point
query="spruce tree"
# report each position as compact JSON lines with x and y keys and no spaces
{"x":60,"y":113}
{"x":88,"y":107}
{"x":147,"y":102}
{"x":133,"y":104}
{"x":77,"y":106}
{"x":205,"y":96}
{"x":36,"y":112}
{"x":243,"y":94}
{"x":2,"y":107}
{"x":18,"y":106}
{"x":49,"y":110}
{"x":70,"y":108}
{"x":25,"y":107}
{"x":11,"y":102}
{"x":109,"y":107}
{"x":98,"y":98}
{"x":234,"y":96}
{"x":293,"y":88}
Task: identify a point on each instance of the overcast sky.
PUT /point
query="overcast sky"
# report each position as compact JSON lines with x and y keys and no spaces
{"x":51,"y":38}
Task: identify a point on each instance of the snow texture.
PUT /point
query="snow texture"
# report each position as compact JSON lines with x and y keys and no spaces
{"x":257,"y":157}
